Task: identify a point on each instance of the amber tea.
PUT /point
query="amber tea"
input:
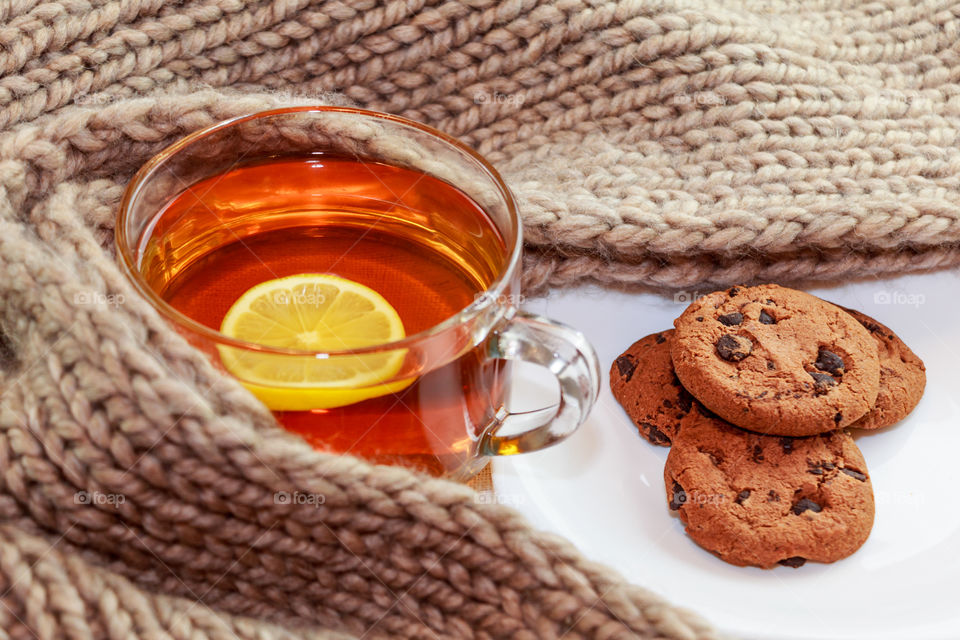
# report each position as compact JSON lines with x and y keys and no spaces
{"x":419,"y":243}
{"x":357,"y":272}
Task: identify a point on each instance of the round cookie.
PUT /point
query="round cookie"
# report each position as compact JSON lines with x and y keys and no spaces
{"x":776,"y":360}
{"x":903,"y":376}
{"x":643,"y":382}
{"x":756,"y":500}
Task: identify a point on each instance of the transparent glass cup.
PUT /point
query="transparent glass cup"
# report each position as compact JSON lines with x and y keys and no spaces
{"x":438,"y":404}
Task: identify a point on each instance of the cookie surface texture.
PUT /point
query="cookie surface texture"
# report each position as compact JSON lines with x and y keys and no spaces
{"x":756,"y":500}
{"x":643,"y":382}
{"x":903,"y":376}
{"x":776,"y":360}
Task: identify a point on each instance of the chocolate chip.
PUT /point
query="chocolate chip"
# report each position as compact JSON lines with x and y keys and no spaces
{"x":667,"y":403}
{"x":733,"y":291}
{"x":661,"y":338}
{"x":699,"y":318}
{"x":733,"y":348}
{"x":678,"y":496}
{"x":702,"y":410}
{"x":626,"y":366}
{"x":806,"y":504}
{"x":654,"y":434}
{"x":773,"y":496}
{"x":822,"y":382}
{"x":855,"y":474}
{"x":770,"y":365}
{"x":787,"y":444}
{"x":731,"y":319}
{"x":757,"y":455}
{"x":766,"y":318}
{"x":830,"y":362}
{"x":795,"y":562}
{"x":837,"y":418}
{"x":743,"y":495}
{"x":819,"y":468}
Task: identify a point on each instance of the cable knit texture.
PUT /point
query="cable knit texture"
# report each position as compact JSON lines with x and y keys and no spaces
{"x":651,"y":143}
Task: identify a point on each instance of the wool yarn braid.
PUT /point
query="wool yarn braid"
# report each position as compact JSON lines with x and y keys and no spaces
{"x":650,"y":143}
{"x":102,"y":398}
{"x":58,"y":595}
{"x":655,"y":143}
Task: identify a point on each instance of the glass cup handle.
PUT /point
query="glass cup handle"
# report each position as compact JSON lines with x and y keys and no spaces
{"x":569,"y":356}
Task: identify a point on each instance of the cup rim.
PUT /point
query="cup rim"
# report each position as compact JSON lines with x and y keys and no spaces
{"x":489,"y":297}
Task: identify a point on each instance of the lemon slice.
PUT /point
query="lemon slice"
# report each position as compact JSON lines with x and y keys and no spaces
{"x":313,"y":312}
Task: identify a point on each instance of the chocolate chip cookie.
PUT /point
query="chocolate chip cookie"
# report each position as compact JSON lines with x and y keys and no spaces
{"x":758,"y":500}
{"x":903,"y":376}
{"x":643,"y":382}
{"x":776,"y":360}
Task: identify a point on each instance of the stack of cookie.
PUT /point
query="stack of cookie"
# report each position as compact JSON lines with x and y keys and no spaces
{"x":753,"y":391}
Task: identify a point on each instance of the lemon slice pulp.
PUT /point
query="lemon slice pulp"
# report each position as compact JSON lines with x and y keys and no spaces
{"x":313,"y":312}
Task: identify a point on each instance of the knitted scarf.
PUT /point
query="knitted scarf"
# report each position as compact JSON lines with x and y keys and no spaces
{"x":651,"y":143}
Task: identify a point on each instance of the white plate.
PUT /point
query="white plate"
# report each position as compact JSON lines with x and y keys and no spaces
{"x":603,"y":488}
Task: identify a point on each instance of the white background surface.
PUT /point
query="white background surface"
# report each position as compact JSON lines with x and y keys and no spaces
{"x":603,"y":487}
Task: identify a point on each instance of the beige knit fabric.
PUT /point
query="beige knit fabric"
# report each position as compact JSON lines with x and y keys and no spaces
{"x":658,"y":143}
